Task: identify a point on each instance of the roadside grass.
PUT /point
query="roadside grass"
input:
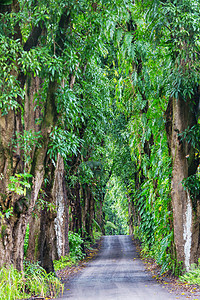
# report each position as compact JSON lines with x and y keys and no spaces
{"x":33,"y":282}
{"x":65,"y":261}
{"x":41,"y":283}
{"x":77,"y":253}
{"x":193,"y":276}
{"x":12,"y":284}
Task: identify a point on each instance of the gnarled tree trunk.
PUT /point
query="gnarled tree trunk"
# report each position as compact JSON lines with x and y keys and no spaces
{"x":53,"y":237}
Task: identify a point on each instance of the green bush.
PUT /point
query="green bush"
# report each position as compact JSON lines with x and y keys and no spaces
{"x":96,"y":235}
{"x":75,"y":242}
{"x":75,"y":252}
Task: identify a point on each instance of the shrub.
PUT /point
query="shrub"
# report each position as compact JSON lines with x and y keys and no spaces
{"x":76,"y":252}
{"x":75,"y":248}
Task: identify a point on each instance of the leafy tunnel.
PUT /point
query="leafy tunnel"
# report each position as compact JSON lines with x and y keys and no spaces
{"x":99,"y":127}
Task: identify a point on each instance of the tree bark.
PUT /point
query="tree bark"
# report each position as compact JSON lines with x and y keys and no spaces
{"x":131,"y":214}
{"x":34,"y":232}
{"x":60,"y":199}
{"x":75,"y":205}
{"x":53,"y":238}
{"x":180,"y":115}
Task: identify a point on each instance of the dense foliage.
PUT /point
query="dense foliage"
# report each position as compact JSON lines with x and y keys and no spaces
{"x":99,"y":127}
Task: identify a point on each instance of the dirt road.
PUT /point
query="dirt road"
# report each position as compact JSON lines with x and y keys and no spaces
{"x":116,"y":274}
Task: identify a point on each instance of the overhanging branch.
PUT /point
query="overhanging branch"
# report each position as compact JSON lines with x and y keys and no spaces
{"x":32,"y":40}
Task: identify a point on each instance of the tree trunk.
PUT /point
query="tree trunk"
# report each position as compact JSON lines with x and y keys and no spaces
{"x":185,"y":215}
{"x":130,"y":214}
{"x":88,"y":211}
{"x":53,"y":239}
{"x":75,"y":205}
{"x":47,"y":238}
{"x":13,"y":227}
{"x":34,"y":231}
{"x":13,"y":223}
{"x":99,"y":214}
{"x":60,"y":199}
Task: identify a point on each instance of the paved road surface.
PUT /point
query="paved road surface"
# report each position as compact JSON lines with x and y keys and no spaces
{"x":116,"y":274}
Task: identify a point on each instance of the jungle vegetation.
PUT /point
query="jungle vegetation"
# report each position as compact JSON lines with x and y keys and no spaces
{"x":99,"y":128}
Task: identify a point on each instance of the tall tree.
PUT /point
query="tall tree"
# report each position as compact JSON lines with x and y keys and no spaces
{"x":53,"y":98}
{"x":179,"y":25}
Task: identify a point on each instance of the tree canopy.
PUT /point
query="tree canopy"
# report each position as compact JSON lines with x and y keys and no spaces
{"x":99,"y":126}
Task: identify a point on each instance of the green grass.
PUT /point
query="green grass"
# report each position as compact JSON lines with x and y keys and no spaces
{"x":34,"y":282}
{"x":193,"y":276}
{"x":41,"y":283}
{"x":12,"y":284}
{"x":65,"y":261}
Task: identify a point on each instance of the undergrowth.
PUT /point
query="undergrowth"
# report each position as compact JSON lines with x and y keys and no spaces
{"x":76,"y":246}
{"x":63,"y":262}
{"x":41,"y":283}
{"x":12,"y":284}
{"x":76,"y":252}
{"x":34,"y":282}
{"x":193,"y":276}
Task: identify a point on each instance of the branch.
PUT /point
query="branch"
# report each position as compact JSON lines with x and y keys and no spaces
{"x":62,"y":28}
{"x":33,"y":37}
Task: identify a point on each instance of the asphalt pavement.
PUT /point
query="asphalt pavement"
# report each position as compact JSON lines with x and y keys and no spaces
{"x":117,"y":273}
